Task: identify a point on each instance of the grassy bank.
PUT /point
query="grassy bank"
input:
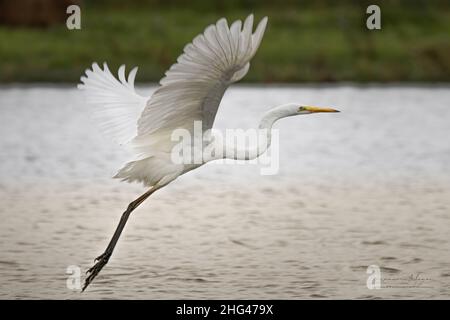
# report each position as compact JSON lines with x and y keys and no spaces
{"x":302,"y":43}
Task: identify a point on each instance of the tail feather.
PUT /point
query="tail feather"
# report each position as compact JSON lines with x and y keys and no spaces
{"x":150,"y":171}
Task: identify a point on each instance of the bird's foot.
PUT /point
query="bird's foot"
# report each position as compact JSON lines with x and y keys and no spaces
{"x":93,"y":271}
{"x":104,"y":255}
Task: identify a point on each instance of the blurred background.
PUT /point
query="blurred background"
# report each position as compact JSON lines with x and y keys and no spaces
{"x":306,"y":41}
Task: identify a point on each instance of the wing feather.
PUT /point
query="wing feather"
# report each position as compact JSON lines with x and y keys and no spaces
{"x":192,"y":88}
{"x":116,"y":105}
{"x":190,"y":91}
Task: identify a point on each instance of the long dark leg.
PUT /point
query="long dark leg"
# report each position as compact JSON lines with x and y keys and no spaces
{"x":103,"y":259}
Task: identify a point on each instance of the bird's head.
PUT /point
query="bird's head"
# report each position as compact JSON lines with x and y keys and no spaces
{"x":295,"y":109}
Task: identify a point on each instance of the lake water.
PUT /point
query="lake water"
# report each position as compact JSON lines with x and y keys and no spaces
{"x":368,"y":186}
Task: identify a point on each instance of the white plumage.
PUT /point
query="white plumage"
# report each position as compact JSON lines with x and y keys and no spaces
{"x":116,"y":105}
{"x":191,"y":90}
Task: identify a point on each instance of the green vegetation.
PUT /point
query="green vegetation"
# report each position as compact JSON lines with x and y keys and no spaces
{"x":323,"y":41}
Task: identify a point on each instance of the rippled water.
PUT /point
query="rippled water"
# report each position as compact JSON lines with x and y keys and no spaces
{"x":368,"y":186}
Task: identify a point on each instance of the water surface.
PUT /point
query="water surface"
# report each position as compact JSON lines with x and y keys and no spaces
{"x":368,"y":186}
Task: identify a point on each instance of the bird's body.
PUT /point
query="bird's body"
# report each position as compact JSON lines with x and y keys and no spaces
{"x":189,"y":94}
{"x":190,"y":91}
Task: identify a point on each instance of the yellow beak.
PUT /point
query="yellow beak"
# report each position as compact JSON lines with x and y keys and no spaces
{"x":319,"y":109}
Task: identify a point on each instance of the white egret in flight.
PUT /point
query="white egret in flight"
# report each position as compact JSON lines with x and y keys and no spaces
{"x":190,"y":91}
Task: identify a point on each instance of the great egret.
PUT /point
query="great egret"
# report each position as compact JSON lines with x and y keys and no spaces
{"x":190,"y":91}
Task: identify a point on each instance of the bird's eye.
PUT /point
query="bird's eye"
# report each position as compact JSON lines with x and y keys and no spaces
{"x":301,"y":109}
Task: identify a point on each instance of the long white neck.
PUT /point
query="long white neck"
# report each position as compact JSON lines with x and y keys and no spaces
{"x":264,"y":137}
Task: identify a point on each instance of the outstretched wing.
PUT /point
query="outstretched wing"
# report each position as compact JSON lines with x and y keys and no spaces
{"x":190,"y":91}
{"x":116,"y":105}
{"x":194,"y":86}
